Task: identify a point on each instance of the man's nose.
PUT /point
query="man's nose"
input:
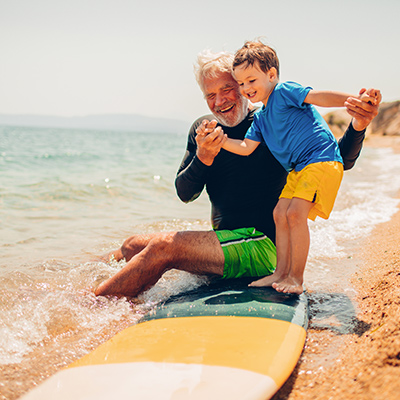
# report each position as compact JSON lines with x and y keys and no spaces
{"x":220,"y":99}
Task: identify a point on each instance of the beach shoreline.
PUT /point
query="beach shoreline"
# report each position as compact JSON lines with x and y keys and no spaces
{"x":364,"y":364}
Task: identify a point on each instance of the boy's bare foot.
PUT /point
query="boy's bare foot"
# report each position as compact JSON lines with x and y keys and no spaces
{"x":289,"y":285}
{"x":267,"y":280}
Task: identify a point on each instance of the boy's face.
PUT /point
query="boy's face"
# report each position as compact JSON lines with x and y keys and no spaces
{"x":255,"y":84}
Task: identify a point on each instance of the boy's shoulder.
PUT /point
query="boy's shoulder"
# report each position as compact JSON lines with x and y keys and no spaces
{"x":291,"y":93}
{"x":288,"y":85}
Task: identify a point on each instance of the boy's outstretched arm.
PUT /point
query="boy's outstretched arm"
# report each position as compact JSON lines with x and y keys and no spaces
{"x":242,"y":147}
{"x":327,"y":98}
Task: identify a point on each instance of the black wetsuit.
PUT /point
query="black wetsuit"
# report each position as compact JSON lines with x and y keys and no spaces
{"x":244,"y":190}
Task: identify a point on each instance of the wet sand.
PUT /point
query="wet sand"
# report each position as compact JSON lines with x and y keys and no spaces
{"x":364,"y":364}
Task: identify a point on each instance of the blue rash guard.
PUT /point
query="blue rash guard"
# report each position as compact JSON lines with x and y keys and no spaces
{"x":294,"y":131}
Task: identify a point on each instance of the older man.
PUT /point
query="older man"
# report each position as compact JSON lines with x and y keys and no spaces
{"x":241,"y":243}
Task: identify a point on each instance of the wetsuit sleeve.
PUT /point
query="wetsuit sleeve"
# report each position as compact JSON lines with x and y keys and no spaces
{"x":192,"y":173}
{"x":350,"y":145}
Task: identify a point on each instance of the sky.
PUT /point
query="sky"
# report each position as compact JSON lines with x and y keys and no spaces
{"x":84,"y":57}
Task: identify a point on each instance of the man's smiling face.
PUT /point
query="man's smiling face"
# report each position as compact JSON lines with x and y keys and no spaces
{"x":224,"y":99}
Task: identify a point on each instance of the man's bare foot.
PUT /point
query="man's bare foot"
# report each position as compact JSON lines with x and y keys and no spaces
{"x":267,"y":280}
{"x":289,"y":285}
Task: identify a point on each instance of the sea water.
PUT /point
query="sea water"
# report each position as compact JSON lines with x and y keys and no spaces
{"x":69,"y":196}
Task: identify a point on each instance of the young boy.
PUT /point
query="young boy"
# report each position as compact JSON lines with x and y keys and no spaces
{"x":301,"y":141}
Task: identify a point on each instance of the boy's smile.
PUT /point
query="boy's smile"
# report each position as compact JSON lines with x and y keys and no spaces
{"x":255,"y":84}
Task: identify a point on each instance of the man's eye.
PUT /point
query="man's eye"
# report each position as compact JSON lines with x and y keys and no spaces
{"x":211,"y":96}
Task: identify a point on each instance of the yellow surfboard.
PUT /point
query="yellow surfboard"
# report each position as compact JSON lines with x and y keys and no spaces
{"x":220,"y":341}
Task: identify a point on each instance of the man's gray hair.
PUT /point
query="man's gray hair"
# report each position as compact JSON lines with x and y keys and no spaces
{"x":211,"y":65}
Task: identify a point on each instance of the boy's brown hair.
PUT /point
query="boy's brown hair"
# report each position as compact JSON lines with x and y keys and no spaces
{"x":258,"y":54}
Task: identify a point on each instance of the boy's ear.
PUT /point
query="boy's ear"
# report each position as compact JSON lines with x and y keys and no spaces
{"x":272,"y":73}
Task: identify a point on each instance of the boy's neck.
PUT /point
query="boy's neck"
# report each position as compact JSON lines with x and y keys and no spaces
{"x":271,"y":89}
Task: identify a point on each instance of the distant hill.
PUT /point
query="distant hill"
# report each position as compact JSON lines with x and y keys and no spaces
{"x":120,"y":122}
{"x":386,"y":123}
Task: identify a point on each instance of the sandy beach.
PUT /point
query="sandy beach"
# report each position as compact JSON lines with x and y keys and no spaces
{"x":366,"y":363}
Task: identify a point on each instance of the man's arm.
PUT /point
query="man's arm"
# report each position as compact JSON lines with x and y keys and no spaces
{"x":202,"y":148}
{"x":209,"y":139}
{"x":363,"y":113}
{"x":191,"y":177}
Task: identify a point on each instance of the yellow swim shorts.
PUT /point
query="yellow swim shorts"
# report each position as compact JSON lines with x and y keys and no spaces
{"x":318,"y":183}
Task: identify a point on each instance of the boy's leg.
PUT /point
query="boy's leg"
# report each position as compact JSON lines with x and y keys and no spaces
{"x":282,"y":246}
{"x":297,"y":215}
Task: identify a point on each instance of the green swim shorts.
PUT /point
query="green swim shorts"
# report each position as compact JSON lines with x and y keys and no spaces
{"x":247,"y":253}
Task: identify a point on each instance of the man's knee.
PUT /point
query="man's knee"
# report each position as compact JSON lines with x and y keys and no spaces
{"x":126,"y":248}
{"x":161,"y":245}
{"x":134,"y":245}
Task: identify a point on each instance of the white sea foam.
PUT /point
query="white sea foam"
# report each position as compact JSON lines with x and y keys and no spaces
{"x":365,"y":200}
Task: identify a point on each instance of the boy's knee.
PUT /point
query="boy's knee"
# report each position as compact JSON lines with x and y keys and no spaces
{"x":279,"y":215}
{"x":293,"y":216}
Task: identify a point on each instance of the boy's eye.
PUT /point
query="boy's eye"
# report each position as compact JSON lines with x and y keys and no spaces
{"x":252,"y":80}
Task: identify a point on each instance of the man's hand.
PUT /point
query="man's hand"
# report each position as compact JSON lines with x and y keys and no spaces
{"x":370,"y":96}
{"x":209,"y":139}
{"x":363,"y":112}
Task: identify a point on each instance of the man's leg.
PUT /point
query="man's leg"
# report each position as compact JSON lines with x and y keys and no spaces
{"x":197,"y":252}
{"x":131,"y":246}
